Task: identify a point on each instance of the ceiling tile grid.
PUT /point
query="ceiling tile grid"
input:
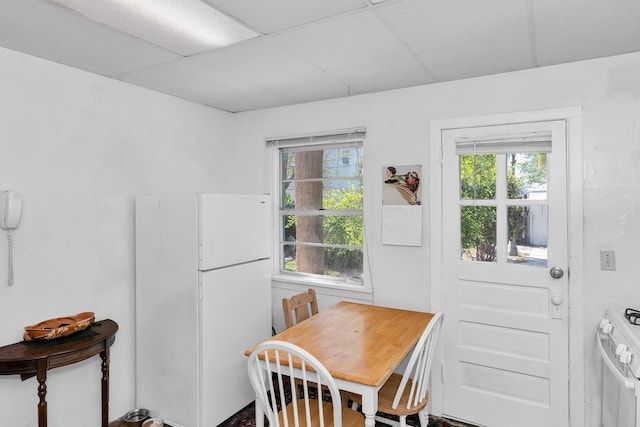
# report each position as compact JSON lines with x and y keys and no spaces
{"x":314,"y":50}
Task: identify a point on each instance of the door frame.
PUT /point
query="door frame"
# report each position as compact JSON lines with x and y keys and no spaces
{"x":573,"y":118}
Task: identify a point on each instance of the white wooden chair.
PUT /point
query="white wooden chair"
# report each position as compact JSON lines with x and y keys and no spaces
{"x":269,"y":384}
{"x":408,"y":394}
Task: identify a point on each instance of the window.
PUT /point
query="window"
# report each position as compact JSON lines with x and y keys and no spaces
{"x":503,"y":189}
{"x":320,"y":207}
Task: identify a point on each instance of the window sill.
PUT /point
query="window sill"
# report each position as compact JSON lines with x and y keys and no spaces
{"x":316,"y":282}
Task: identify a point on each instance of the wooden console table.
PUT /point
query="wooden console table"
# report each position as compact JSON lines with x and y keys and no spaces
{"x":34,"y":358}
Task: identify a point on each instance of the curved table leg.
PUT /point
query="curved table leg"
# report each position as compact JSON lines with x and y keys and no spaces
{"x":41,"y":373}
{"x":104,"y":355}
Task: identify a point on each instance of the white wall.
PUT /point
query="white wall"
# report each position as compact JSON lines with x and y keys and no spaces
{"x":397,"y":122}
{"x":80,"y":147}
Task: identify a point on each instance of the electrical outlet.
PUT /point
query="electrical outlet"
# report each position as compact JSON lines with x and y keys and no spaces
{"x":608,"y":260}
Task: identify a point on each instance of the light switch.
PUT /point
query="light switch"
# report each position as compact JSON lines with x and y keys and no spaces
{"x":607,"y":260}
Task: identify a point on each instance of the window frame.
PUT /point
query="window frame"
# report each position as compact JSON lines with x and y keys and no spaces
{"x":347,"y":138}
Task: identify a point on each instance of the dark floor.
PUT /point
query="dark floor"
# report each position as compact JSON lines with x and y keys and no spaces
{"x":120,"y":422}
{"x":246,"y":418}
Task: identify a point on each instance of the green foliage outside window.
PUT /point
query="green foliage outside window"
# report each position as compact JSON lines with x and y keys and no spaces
{"x":478,"y":223}
{"x":345,"y":230}
{"x":478,"y":182}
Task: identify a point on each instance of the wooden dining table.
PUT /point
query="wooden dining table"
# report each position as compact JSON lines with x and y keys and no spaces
{"x":360,"y":345}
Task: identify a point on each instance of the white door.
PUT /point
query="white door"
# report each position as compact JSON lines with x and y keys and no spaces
{"x":505,"y":346}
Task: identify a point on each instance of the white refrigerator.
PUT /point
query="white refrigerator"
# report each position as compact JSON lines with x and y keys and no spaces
{"x":203,"y":296}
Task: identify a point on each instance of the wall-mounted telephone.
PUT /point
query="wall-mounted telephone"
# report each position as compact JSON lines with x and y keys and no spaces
{"x":11,"y":209}
{"x":10,"y":214}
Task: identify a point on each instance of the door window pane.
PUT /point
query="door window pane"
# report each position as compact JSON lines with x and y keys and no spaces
{"x":527,"y":225}
{"x":478,"y":177}
{"x":528,"y":234}
{"x":478,"y":233}
{"x":527,"y":176}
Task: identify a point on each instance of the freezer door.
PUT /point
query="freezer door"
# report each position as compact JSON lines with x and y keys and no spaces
{"x":236,"y":315}
{"x":234,"y":228}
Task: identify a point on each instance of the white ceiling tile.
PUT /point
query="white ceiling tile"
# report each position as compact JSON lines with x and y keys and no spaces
{"x":271,"y":69}
{"x":463,"y":38}
{"x":572,"y":30}
{"x":358,"y":50}
{"x":186,"y":80}
{"x":269,"y":16}
{"x":50,"y":32}
{"x":241,"y":78}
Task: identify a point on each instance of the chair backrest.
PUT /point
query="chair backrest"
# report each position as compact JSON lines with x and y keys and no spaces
{"x":416,"y":374}
{"x":271,"y":374}
{"x":299,"y":307}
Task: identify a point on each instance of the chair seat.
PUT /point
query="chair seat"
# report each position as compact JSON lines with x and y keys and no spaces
{"x":278,"y":360}
{"x":349,"y":418}
{"x":386,"y":395}
{"x":417,"y":372}
{"x":388,"y":392}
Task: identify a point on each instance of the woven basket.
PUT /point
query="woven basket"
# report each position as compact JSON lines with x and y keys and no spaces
{"x":59,"y":327}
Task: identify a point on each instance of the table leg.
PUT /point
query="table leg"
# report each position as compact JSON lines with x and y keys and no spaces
{"x":104,"y":355}
{"x":41,"y":374}
{"x":370,"y":406}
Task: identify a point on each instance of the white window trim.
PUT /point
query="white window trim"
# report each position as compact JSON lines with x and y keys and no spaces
{"x":321,"y":138}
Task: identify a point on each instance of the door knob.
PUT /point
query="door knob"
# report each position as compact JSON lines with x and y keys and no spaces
{"x":556,"y":300}
{"x":556,"y":272}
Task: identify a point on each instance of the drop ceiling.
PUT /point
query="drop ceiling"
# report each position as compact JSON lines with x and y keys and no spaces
{"x":313,"y":50}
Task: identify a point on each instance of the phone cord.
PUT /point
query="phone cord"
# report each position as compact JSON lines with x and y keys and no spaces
{"x":10,"y":240}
